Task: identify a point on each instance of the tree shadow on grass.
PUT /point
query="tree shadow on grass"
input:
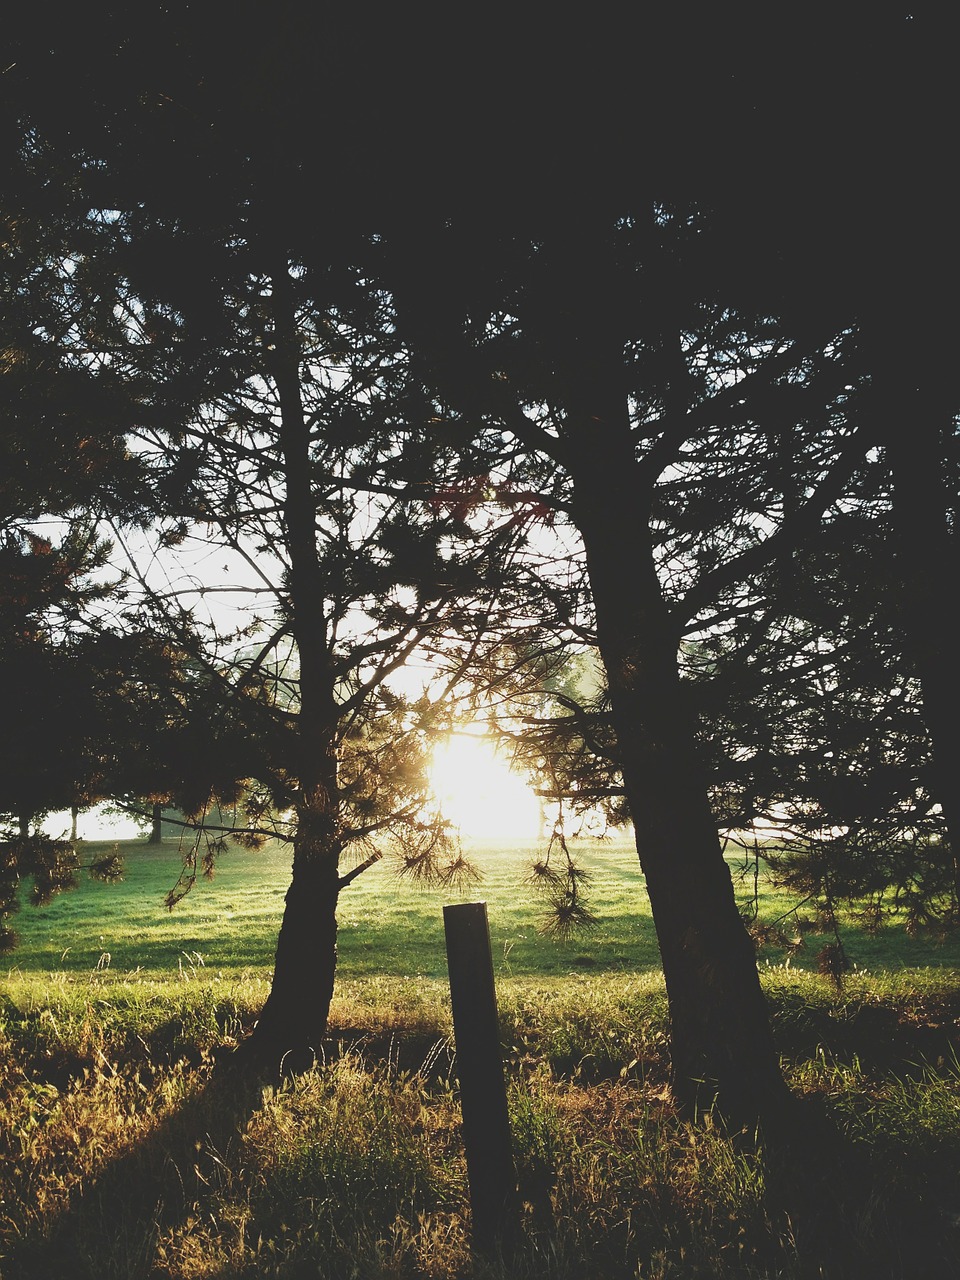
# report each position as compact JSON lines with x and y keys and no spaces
{"x":864,"y":1177}
{"x":844,"y":1215}
{"x":112,"y":1224}
{"x":116,"y":1225}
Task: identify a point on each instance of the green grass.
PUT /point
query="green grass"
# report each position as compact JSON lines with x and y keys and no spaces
{"x":228,"y":926}
{"x":387,"y":925}
{"x":124,"y":1157}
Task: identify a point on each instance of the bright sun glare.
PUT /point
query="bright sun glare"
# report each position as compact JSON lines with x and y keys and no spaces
{"x":473,"y":785}
{"x":478,"y":793}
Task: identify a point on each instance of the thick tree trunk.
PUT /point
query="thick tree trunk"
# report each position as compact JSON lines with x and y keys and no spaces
{"x":74,"y":814}
{"x":156,"y":825}
{"x":294,"y":1018}
{"x":722,"y":1048}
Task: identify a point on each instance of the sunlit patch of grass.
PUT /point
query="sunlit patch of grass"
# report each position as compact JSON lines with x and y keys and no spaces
{"x":65,"y":1026}
{"x":587,"y":1028}
{"x":350,"y":1170}
{"x":228,"y":926}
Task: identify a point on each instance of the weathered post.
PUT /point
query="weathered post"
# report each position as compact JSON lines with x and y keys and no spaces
{"x":483,"y":1095}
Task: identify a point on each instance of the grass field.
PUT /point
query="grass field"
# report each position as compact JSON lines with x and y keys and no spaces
{"x":127,"y":1154}
{"x":229,"y":925}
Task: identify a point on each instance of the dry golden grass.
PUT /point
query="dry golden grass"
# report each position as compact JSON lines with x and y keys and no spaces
{"x":126,"y":1152}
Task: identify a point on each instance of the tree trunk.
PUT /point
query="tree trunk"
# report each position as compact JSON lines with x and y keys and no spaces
{"x":721,"y":1044}
{"x":156,"y":825}
{"x":722,"y":1048}
{"x":294,"y":1018}
{"x":74,"y":814}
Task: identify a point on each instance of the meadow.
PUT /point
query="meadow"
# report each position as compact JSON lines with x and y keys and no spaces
{"x":128,"y":1149}
{"x":392,"y":927}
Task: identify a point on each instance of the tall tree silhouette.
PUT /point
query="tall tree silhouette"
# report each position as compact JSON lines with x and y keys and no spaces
{"x":606,"y":374}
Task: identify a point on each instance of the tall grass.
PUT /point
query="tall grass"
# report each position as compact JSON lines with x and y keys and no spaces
{"x":127,"y":1150}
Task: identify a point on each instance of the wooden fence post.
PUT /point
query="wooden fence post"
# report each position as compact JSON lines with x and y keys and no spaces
{"x":483,"y":1095}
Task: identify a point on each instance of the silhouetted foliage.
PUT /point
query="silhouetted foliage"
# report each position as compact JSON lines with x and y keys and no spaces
{"x":655,"y":355}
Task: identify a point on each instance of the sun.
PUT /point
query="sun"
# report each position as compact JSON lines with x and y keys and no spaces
{"x":478,"y":793}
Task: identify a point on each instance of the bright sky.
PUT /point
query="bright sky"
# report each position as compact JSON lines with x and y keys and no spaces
{"x":93,"y":824}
